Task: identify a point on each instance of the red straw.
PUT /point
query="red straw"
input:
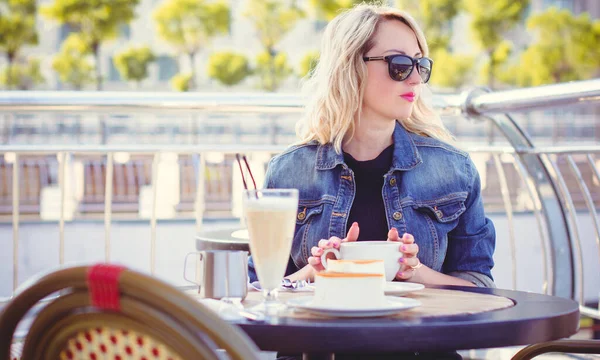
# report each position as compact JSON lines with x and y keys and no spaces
{"x":237,"y":157}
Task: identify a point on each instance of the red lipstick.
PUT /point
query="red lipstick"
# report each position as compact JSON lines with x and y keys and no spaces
{"x":409,"y":96}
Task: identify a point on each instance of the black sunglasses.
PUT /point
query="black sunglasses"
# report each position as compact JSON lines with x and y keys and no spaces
{"x":401,"y":66}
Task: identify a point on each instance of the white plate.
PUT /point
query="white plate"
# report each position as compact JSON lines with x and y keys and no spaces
{"x":392,"y":306}
{"x":240,"y":234}
{"x":401,"y":288}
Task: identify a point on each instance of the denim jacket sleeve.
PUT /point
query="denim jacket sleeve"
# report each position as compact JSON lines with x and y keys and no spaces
{"x":471,"y":244}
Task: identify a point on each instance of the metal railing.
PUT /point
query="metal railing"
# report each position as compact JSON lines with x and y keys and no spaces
{"x":541,"y":170}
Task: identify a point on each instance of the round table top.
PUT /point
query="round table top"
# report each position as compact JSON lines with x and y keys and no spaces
{"x":534,"y":318}
{"x":233,"y":238}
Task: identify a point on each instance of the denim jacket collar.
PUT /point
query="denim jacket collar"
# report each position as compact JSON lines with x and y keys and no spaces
{"x":406,"y":156}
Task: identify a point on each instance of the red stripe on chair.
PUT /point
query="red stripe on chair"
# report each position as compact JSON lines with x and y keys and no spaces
{"x":103,"y":282}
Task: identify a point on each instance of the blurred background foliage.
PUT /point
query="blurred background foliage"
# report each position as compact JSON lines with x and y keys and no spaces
{"x":561,"y":46}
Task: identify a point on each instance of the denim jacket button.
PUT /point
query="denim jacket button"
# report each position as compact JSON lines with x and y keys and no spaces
{"x":301,"y":216}
{"x":393,"y":182}
{"x":439,"y":214}
{"x":397,"y":215}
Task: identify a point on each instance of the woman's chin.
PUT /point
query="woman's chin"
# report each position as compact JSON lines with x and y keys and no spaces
{"x":403,"y":115}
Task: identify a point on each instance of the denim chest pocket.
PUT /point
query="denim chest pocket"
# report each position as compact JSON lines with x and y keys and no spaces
{"x":308,"y":212}
{"x":445,"y":209}
{"x":430,"y":221}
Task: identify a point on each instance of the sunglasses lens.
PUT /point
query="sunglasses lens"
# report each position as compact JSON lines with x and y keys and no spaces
{"x":424,"y":67}
{"x":400,"y":67}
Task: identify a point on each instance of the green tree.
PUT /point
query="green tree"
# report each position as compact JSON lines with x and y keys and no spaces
{"x":133,"y":63}
{"x":97,"y":21}
{"x":435,"y":17}
{"x":189,"y":25}
{"x":74,"y":63}
{"x":328,"y":9}
{"x":272,"y":70}
{"x":17,"y":29}
{"x":490,"y":20}
{"x":22,"y":76}
{"x":451,"y":70}
{"x":228,"y":68}
{"x":567,"y":49}
{"x":182,"y":82}
{"x":308,"y":63}
{"x":273,"y":19}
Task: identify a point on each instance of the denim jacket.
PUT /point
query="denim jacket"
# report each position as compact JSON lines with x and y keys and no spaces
{"x":431,"y":191}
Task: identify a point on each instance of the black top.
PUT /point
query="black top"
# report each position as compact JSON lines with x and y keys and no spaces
{"x":368,"y":209}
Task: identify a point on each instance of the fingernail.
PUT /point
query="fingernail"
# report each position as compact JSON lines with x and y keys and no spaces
{"x":355,"y":224}
{"x":400,"y":274}
{"x":403,"y":247}
{"x":328,"y":242}
{"x":336,"y":244}
{"x":401,"y":260}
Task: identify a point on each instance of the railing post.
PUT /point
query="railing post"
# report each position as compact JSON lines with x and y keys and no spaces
{"x":153,"y":215}
{"x":15,"y":203}
{"x":199,"y":204}
{"x":62,"y":179}
{"x":108,"y":195}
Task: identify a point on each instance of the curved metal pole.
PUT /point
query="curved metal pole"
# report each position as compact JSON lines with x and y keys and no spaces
{"x":509,"y":215}
{"x":575,"y":238}
{"x":545,"y":188}
{"x":593,"y":206}
{"x":548,"y":271}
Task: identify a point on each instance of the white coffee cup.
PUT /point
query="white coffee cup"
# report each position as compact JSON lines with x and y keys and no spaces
{"x":387,"y":251}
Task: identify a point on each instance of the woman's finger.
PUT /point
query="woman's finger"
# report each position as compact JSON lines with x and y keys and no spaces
{"x":316,"y":251}
{"x":325,"y":244}
{"x":315,"y":262}
{"x":408,"y":238}
{"x":409,"y":249}
{"x":409,"y":261}
{"x":352,"y":232}
{"x":405,"y":274}
{"x":393,"y":235}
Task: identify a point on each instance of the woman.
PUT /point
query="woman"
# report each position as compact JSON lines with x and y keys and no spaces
{"x":374,"y":161}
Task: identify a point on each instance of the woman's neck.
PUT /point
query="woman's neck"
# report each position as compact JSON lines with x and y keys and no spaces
{"x":370,"y":139}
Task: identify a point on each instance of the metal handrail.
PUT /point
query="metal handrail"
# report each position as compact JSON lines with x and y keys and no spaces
{"x":115,"y":101}
{"x":470,"y":102}
{"x":541,"y":97}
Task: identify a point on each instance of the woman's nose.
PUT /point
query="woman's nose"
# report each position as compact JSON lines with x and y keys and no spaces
{"x":415,"y":77}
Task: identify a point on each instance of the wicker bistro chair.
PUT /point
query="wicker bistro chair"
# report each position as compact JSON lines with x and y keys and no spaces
{"x":562,"y":346}
{"x":109,"y":312}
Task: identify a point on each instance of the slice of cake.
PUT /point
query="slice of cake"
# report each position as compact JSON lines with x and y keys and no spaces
{"x":349,"y":290}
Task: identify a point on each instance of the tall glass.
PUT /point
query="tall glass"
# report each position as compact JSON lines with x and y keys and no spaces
{"x":271,"y":219}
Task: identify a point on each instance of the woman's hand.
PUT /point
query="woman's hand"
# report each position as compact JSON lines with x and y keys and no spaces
{"x":409,"y":262}
{"x":333,"y":242}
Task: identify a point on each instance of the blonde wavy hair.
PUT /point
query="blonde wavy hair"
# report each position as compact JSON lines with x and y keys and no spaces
{"x":335,"y":88}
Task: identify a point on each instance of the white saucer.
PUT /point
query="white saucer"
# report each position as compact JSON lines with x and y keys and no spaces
{"x":401,"y":288}
{"x":393,"y":305}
